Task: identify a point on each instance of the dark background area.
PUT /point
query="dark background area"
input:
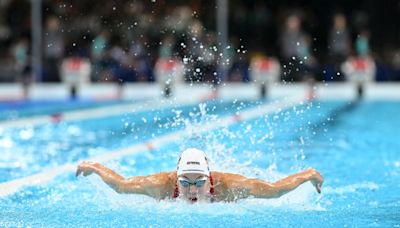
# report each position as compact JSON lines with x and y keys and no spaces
{"x":254,"y":24}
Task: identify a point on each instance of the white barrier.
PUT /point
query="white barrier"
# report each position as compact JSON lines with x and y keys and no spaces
{"x":107,"y":91}
{"x":265,"y":70}
{"x":75,"y":71}
{"x":359,"y":69}
{"x":169,"y":72}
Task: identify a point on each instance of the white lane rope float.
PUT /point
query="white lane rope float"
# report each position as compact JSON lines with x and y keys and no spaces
{"x":10,"y":187}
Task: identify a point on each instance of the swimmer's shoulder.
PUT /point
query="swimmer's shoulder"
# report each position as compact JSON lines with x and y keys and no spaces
{"x":164,"y":178}
{"x":163,"y":184}
{"x":225,"y":177}
{"x":222,"y":182}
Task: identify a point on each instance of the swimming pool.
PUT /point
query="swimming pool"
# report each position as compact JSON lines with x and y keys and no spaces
{"x":354,"y":145}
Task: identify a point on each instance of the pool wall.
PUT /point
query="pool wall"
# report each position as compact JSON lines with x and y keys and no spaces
{"x":229,"y":90}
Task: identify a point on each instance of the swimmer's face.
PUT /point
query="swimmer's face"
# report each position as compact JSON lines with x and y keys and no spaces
{"x":194,"y":187}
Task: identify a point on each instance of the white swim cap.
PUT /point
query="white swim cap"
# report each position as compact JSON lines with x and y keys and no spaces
{"x":193,"y":161}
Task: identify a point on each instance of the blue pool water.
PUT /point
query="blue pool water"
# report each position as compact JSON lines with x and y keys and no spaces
{"x":354,"y":145}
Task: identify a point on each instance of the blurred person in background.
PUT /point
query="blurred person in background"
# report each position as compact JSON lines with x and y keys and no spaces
{"x":295,"y":50}
{"x":193,"y":52}
{"x":142,"y":59}
{"x":125,"y":71}
{"x":20,"y":53}
{"x":209,"y":56}
{"x":239,"y":63}
{"x":166,"y":48}
{"x":53,"y":49}
{"x":362,"y":45}
{"x":5,"y":30}
{"x":7,"y":72}
{"x":395,"y":63}
{"x":98,"y":53}
{"x":22,"y":64}
{"x":339,"y":46}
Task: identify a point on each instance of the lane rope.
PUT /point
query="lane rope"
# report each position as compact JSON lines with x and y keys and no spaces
{"x":98,"y":112}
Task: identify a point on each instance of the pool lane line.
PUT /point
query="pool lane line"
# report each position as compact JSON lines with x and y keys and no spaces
{"x":330,"y":119}
{"x":13,"y":186}
{"x":99,"y":112}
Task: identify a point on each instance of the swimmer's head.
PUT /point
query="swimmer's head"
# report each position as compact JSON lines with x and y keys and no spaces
{"x":193,"y":175}
{"x":193,"y":161}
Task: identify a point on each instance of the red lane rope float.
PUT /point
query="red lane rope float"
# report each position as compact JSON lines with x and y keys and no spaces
{"x":149,"y":145}
{"x":237,"y":117}
{"x":56,"y":117}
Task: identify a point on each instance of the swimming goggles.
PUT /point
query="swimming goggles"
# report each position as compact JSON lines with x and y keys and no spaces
{"x":198,"y":182}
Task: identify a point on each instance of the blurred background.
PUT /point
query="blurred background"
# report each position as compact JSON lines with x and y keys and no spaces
{"x":213,"y":60}
{"x":126,"y":41}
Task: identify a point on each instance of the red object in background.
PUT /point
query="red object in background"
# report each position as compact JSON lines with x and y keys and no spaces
{"x":56,"y":117}
{"x":263,"y":64}
{"x":237,"y":118}
{"x":167,"y":64}
{"x":74,"y":64}
{"x":359,"y":64}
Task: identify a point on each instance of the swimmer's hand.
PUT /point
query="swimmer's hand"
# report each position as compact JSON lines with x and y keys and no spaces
{"x":315,"y":178}
{"x":85,"y":168}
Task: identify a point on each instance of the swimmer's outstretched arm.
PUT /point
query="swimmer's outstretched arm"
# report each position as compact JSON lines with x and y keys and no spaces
{"x":156,"y":185}
{"x":293,"y":181}
{"x":243,"y":187}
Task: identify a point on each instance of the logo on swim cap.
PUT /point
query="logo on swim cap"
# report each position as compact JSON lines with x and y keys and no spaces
{"x":193,"y":161}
